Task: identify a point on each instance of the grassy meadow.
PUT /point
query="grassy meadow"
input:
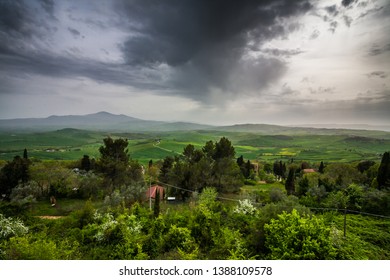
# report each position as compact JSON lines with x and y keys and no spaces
{"x":72,"y":144}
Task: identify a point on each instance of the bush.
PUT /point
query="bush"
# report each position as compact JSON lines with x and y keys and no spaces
{"x":25,"y":193}
{"x":292,"y":237}
{"x":39,"y":247}
{"x":245,"y":207}
{"x":10,"y":227}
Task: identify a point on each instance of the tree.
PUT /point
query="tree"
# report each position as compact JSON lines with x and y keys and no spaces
{"x":240,"y":161}
{"x":165,"y":169}
{"x":290,"y":182}
{"x":209,"y":149}
{"x":365,"y":165}
{"x":115,"y":162}
{"x":85,"y":163}
{"x":156,"y":208}
{"x":25,"y":155}
{"x":383,"y":177}
{"x":12,"y":173}
{"x":226,"y":175}
{"x":114,"y":150}
{"x":303,"y":186}
{"x":245,"y":167}
{"x":321,"y":168}
{"x":295,"y":237}
{"x":276,"y":169}
{"x":224,"y":149}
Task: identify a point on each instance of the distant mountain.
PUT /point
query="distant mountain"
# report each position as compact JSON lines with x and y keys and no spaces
{"x":108,"y":122}
{"x":102,"y":121}
{"x":265,"y":129}
{"x":348,"y":126}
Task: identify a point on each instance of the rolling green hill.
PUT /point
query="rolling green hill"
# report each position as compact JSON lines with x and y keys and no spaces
{"x":72,"y":144}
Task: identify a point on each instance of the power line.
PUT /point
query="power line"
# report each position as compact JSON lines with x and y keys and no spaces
{"x":311,"y":208}
{"x":176,"y":187}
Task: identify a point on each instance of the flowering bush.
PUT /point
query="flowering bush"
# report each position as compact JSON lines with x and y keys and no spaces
{"x":10,"y":227}
{"x":245,"y":207}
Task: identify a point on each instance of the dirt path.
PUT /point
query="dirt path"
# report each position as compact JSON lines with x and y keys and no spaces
{"x":50,"y":217}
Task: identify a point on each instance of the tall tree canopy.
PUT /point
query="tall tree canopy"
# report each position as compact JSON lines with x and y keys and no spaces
{"x":115,"y":162}
{"x":213,"y":165}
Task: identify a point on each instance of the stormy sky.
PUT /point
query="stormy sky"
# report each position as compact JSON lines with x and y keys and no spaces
{"x":204,"y":61}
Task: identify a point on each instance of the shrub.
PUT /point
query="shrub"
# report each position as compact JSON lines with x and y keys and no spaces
{"x":10,"y":227}
{"x":245,"y":207}
{"x":39,"y":247}
{"x":26,"y":192}
{"x":292,"y":237}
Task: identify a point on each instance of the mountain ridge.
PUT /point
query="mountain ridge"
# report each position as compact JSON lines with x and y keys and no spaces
{"x":105,"y":121}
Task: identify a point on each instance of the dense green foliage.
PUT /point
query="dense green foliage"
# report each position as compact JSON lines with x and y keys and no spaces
{"x":227,"y":206}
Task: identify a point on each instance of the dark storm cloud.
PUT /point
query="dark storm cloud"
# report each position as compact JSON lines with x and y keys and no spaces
{"x":206,"y":42}
{"x":47,"y":5}
{"x":175,"y":32}
{"x":346,"y":3}
{"x":14,"y":17}
{"x":21,"y":26}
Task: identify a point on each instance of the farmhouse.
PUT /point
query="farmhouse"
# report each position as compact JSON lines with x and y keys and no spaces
{"x":308,"y":170}
{"x":152,"y":191}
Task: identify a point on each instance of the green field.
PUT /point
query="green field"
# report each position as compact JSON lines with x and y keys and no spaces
{"x":72,"y":144}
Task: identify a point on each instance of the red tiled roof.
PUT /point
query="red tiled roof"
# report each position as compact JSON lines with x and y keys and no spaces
{"x":151,"y":192}
{"x":309,"y":170}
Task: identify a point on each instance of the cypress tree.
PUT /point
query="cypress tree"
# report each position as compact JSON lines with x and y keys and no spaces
{"x":25,"y":156}
{"x":156,"y":208}
{"x":322,"y":167}
{"x":290,"y":182}
{"x":383,"y":177}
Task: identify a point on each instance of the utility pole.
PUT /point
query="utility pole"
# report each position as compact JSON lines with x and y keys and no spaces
{"x":150,"y":189}
{"x":345,"y":222}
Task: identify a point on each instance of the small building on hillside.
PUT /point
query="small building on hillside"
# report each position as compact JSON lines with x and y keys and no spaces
{"x":152,"y":191}
{"x":308,"y":170}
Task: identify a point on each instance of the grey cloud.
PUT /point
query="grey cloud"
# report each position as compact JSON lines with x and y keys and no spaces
{"x":347,"y":20}
{"x":333,"y":26}
{"x":14,"y":17}
{"x":205,"y":42}
{"x":48,"y":6}
{"x":332,"y":10}
{"x":322,"y":90}
{"x":378,"y":50}
{"x":371,"y":11}
{"x":74,"y":32}
{"x":377,"y":74}
{"x":282,"y":53}
{"x":315,"y":34}
{"x":347,"y":3}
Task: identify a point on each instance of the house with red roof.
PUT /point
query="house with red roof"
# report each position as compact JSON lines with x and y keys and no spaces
{"x":152,"y":191}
